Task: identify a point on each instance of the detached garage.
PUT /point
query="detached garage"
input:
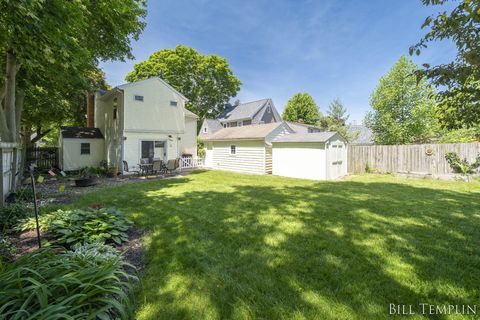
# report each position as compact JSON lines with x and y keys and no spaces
{"x":316,"y":156}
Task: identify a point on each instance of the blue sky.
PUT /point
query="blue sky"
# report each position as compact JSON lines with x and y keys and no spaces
{"x":277,"y":48}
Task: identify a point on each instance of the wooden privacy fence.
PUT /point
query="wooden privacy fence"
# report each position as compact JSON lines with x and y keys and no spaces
{"x":412,"y":158}
{"x":10,"y":154}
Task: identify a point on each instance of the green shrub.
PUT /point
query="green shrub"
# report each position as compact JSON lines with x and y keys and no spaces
{"x":51,"y":285}
{"x":26,"y":194}
{"x":92,"y":225}
{"x":11,"y":214}
{"x":462,"y":166}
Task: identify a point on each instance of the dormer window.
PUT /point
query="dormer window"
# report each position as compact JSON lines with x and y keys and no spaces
{"x":138,"y":98}
{"x":173,"y":103}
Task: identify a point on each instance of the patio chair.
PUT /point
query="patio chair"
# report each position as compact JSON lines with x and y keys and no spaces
{"x":157,"y":166}
{"x":129,"y":170}
{"x":171,"y":165}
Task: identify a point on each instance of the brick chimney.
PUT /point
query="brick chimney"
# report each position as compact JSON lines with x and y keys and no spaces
{"x":90,"y":110}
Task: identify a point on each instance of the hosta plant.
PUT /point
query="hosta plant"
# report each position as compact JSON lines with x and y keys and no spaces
{"x":92,"y":225}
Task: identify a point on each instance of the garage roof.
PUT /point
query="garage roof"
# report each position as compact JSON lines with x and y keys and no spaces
{"x":81,"y":133}
{"x":306,"y":137}
{"x":250,"y":132}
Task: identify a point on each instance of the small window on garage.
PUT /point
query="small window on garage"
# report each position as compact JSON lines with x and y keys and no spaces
{"x":233,"y":149}
{"x":138,"y":98}
{"x":85,"y":148}
{"x":173,"y":103}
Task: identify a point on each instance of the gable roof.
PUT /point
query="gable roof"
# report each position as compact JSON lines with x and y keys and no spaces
{"x":365,"y":134}
{"x":250,"y":132}
{"x":306,"y":137}
{"x":302,"y":127}
{"x":131,"y":84}
{"x":190,"y":114}
{"x":80,"y":133}
{"x":213,"y":125}
{"x":242,"y":111}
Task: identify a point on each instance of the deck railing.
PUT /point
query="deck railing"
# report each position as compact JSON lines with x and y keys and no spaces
{"x":191,"y":163}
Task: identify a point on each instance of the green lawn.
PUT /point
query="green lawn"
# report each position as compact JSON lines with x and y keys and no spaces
{"x":231,"y":246}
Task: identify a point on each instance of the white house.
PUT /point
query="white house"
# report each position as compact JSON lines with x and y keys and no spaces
{"x":244,"y":149}
{"x":143,"y":119}
{"x":261,"y":111}
{"x":317,"y":156}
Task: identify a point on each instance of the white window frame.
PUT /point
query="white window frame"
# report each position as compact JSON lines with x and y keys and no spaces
{"x":234,"y":149}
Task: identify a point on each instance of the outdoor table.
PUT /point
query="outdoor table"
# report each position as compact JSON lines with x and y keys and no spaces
{"x":145,"y":168}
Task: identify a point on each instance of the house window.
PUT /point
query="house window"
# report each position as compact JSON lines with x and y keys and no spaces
{"x":268,"y":110}
{"x":138,"y":98}
{"x":85,"y":148}
{"x":205,"y":130}
{"x":224,"y":125}
{"x":115,"y":113}
{"x":173,"y":103}
{"x":159,"y":144}
{"x":233,"y":149}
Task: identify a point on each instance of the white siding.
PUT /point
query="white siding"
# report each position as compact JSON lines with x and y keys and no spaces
{"x":188,"y":144}
{"x":299,"y":160}
{"x":249,"y":157}
{"x":208,"y":154}
{"x":132,"y":151}
{"x":72,"y":159}
{"x":155,"y":113}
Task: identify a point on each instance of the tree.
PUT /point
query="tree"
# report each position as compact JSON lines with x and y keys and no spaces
{"x":403,"y":107}
{"x":459,"y":80}
{"x":336,"y":120}
{"x":43,"y":43}
{"x":206,"y":80}
{"x":302,"y":108}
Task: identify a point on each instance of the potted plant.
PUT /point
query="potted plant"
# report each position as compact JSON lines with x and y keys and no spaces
{"x":112,"y":171}
{"x":86,"y":178}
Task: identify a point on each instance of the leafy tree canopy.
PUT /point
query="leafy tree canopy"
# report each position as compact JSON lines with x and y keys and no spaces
{"x":302,"y":108}
{"x":403,"y":107}
{"x":336,"y":120}
{"x":459,"y":80}
{"x":48,"y":46}
{"x":206,"y":80}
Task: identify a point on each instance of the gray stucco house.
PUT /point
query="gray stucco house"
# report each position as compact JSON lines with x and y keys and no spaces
{"x":255,"y":112}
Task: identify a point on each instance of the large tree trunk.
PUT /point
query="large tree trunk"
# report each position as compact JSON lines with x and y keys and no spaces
{"x":9,"y":100}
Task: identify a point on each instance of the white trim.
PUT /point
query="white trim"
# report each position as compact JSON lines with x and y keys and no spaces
{"x":152,"y":131}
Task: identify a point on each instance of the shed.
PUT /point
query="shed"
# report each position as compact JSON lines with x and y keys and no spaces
{"x":316,"y":156}
{"x":80,"y":147}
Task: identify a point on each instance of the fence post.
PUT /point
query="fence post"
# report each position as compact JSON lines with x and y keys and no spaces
{"x":2,"y":192}
{"x":14,"y":168}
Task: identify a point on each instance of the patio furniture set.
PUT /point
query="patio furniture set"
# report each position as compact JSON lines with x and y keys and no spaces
{"x":152,"y":167}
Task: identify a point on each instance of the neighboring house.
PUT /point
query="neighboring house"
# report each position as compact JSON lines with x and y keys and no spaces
{"x":143,"y":119}
{"x":244,"y":149}
{"x":362,"y":134}
{"x":317,"y":156}
{"x":254,"y":112}
{"x":303,"y":128}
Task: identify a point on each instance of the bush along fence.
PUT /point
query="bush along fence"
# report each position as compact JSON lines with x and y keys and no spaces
{"x":10,"y":154}
{"x":421,"y":159}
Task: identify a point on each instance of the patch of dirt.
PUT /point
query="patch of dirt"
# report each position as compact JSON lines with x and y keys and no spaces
{"x":133,"y":248}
